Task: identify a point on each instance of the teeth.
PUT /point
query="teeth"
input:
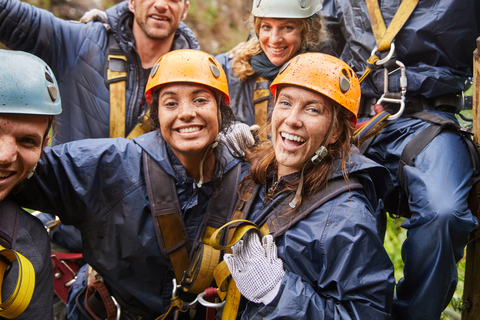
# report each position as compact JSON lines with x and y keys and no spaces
{"x":188,"y":130}
{"x":276,"y":50}
{"x":159,"y":18}
{"x":292,"y":137}
{"x":4,"y":174}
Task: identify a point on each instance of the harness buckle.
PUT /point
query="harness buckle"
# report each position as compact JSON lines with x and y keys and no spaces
{"x":398,"y":97}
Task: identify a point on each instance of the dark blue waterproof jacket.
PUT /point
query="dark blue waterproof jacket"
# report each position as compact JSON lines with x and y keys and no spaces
{"x":435,"y":44}
{"x":334,"y":260}
{"x":98,"y":186}
{"x":76,"y":53}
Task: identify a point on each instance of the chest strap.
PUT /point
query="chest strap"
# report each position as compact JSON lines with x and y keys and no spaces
{"x":20,"y":298}
{"x":171,"y":231}
{"x":261,"y":99}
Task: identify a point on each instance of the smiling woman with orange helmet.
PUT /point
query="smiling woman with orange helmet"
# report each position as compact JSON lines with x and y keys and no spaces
{"x":314,"y":199}
{"x":145,"y":205}
{"x":280,"y":30}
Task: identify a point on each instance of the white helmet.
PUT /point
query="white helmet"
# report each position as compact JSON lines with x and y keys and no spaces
{"x":286,"y":8}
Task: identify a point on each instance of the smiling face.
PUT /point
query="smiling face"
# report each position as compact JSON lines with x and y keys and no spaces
{"x":21,"y":143}
{"x":300,"y":121}
{"x":280,"y":39}
{"x":158,"y":19}
{"x":188,"y":116}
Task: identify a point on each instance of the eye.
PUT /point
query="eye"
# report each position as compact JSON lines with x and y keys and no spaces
{"x":265,"y":27}
{"x":29,"y":142}
{"x":170,"y":103}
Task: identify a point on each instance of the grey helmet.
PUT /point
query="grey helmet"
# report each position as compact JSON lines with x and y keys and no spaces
{"x":285,"y":8}
{"x":27,"y":85}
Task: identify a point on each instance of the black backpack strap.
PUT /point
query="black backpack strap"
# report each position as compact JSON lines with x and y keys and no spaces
{"x":278,"y":222}
{"x":8,"y":223}
{"x":423,"y":138}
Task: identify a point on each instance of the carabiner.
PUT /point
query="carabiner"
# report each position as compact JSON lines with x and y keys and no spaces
{"x":403,"y":85}
{"x":387,"y":58}
{"x":119,"y":309}
{"x":207,"y":304}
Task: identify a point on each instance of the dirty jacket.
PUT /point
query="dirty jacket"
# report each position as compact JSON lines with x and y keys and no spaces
{"x":334,"y":260}
{"x":76,"y":53}
{"x":98,"y":186}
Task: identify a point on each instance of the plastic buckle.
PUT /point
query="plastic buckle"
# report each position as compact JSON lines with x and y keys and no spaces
{"x":388,"y":96}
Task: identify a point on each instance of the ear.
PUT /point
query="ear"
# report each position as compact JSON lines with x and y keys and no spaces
{"x":131,"y":6}
{"x":45,"y":142}
{"x":334,"y":135}
{"x":187,"y":5}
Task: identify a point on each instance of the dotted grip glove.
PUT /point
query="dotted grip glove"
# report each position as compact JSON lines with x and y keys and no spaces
{"x":240,"y":137}
{"x":255,"y":267}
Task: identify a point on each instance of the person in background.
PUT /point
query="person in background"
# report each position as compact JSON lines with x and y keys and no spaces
{"x":29,"y":102}
{"x":435,"y":46}
{"x":280,"y":31}
{"x":320,"y":260}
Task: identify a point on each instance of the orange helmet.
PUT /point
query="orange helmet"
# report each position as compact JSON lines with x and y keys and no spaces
{"x":324,"y":74}
{"x":189,"y":65}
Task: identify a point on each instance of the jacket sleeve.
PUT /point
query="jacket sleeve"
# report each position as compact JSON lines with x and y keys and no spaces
{"x":54,"y":40}
{"x":336,"y":267}
{"x":81,"y":181}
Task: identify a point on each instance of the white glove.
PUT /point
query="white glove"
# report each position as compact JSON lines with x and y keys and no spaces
{"x":240,"y":137}
{"x":255,"y":267}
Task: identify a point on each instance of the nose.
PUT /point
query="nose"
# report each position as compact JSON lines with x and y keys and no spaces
{"x":161,"y":5}
{"x":277,"y":35}
{"x":8,"y":151}
{"x":293,"y":118}
{"x":186,"y":111}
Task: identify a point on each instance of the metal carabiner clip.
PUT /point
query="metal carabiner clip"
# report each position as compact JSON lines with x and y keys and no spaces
{"x":387,"y":58}
{"x":207,"y":304}
{"x":387,"y":96}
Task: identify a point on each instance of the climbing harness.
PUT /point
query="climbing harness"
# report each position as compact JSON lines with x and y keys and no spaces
{"x":261,"y":100}
{"x":20,"y":298}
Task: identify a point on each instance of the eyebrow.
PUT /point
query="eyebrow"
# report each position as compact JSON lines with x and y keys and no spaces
{"x":175,"y":93}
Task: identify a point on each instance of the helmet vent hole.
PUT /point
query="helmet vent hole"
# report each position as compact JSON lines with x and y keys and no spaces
{"x":52,"y":91}
{"x":257,"y":3}
{"x":284,"y":67}
{"x":346,"y":74}
{"x":303,"y":3}
{"x":344,"y":84}
{"x":154,"y":71}
{"x":215,"y":71}
{"x":48,"y":77}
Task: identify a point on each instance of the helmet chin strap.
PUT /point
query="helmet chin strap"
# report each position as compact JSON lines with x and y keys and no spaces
{"x":213,"y":145}
{"x":316,"y":159}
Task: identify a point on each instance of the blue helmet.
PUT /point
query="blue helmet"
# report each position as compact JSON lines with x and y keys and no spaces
{"x":27,"y":85}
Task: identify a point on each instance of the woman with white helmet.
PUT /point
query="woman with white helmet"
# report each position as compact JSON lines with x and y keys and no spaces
{"x":29,"y":101}
{"x":313,"y":196}
{"x":280,"y":30}
{"x":117,"y":193}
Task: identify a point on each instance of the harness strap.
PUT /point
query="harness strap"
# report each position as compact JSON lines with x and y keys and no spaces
{"x":21,"y":296}
{"x":275,"y":223}
{"x":384,"y":36}
{"x":261,"y":98}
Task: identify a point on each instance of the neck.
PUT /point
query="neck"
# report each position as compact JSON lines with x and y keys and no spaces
{"x":192,"y":165}
{"x":150,"y":50}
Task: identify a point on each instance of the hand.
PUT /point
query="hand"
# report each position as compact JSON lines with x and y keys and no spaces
{"x":240,"y":137}
{"x":255,"y":267}
{"x":94,"y":15}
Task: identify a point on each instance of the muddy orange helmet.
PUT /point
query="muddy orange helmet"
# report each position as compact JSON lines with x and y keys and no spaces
{"x":324,"y":74}
{"x":189,"y":65}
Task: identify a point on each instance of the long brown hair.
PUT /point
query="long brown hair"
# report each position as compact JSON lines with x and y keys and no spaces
{"x":314,"y":37}
{"x":264,"y":164}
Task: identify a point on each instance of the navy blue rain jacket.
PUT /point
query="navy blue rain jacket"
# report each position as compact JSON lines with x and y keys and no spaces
{"x":334,"y":260}
{"x":435,"y":44}
{"x":76,"y":53}
{"x":98,"y":185}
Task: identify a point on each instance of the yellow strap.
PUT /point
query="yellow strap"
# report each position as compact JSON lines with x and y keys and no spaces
{"x":141,"y":127}
{"x":261,"y":108}
{"x":117,"y":100}
{"x":375,"y":130}
{"x":19,"y":300}
{"x":384,"y":36}
{"x":241,"y":227}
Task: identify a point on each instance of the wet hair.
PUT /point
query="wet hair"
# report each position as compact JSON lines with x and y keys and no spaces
{"x":264,"y":164}
{"x":315,"y":38}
